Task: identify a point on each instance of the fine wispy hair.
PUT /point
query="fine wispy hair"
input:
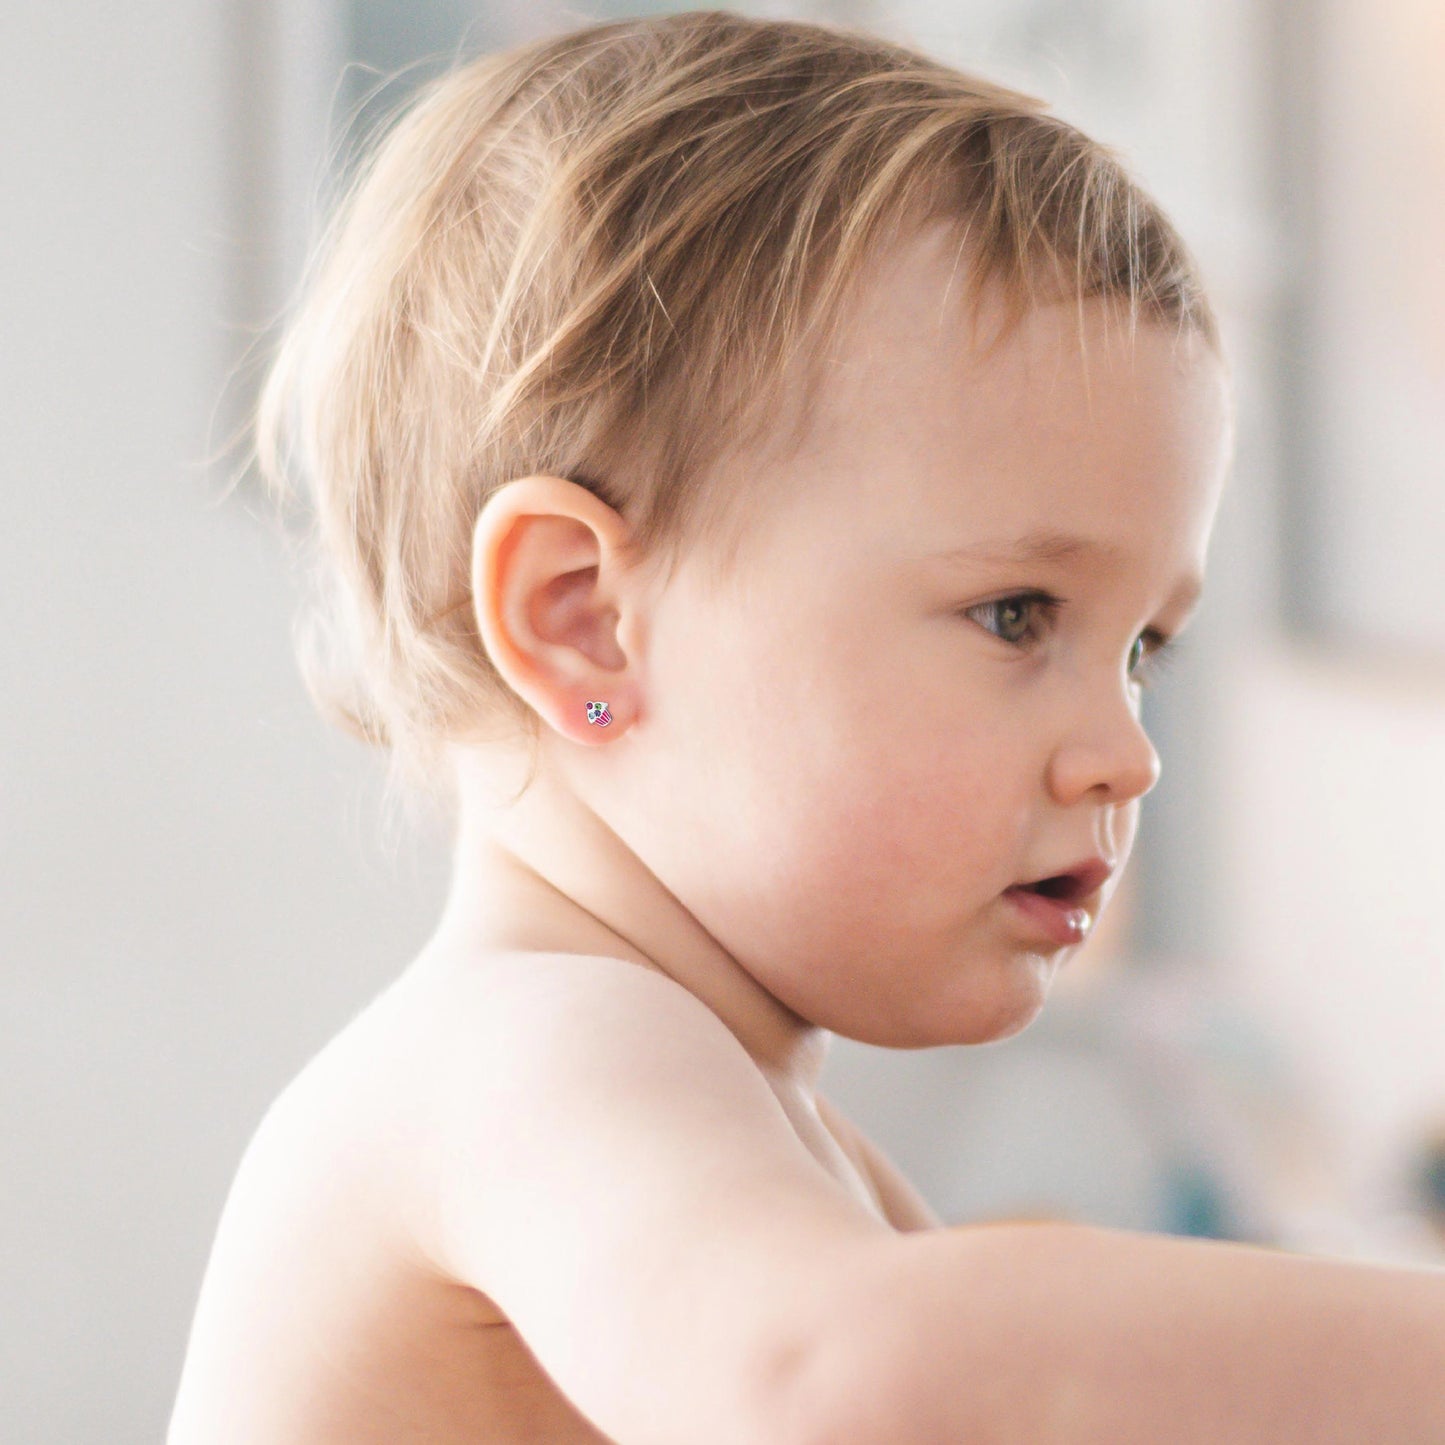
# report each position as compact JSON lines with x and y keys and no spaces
{"x":594,"y":256}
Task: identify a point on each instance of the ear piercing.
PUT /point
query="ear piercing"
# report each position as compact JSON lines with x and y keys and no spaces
{"x":597,"y":713}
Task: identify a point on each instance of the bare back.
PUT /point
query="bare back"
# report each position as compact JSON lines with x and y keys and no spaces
{"x":324,"y":1316}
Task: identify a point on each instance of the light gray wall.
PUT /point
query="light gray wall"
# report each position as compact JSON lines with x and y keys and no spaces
{"x":191,"y":896}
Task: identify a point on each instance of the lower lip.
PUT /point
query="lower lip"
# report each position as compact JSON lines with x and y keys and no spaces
{"x":1063,"y":923}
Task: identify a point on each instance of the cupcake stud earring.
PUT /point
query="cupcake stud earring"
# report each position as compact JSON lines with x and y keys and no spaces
{"x":597,"y":713}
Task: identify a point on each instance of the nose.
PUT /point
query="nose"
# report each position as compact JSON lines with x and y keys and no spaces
{"x":1109,"y":749}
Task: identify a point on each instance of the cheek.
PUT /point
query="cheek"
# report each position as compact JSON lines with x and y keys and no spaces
{"x":823,"y":763}
{"x":876,"y":809}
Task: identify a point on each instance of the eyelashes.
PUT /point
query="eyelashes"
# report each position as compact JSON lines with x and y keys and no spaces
{"x":1160,"y":651}
{"x":1165,"y":654}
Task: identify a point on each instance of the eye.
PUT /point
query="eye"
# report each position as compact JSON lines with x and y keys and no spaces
{"x":1162,"y":651}
{"x":1012,"y":611}
{"x":1152,"y":652}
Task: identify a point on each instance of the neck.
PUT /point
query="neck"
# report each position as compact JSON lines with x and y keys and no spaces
{"x":548,"y":874}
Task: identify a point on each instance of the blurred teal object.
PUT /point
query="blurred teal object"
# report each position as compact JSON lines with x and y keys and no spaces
{"x":1433,"y":1179}
{"x":1429,"y":1176}
{"x":1194,"y":1203}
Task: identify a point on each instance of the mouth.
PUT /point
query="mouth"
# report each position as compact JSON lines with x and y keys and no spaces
{"x":1061,"y":885}
{"x":1065,"y":906}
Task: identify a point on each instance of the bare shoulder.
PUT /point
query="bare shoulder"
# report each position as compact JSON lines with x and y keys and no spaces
{"x":614,"y":1171}
{"x":526,"y":1053}
{"x":551,"y":1038}
{"x":510,"y":1013}
{"x":498,"y":1010}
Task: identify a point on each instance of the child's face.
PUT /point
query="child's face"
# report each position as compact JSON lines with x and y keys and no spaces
{"x":857,"y":755}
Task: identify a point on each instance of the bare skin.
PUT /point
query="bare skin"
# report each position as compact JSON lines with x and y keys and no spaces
{"x":814,"y":791}
{"x":326,"y":1316}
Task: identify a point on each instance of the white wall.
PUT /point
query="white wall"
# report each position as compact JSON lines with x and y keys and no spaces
{"x":1332,"y":778}
{"x":187,"y":903}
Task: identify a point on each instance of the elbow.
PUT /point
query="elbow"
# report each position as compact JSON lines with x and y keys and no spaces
{"x":851,"y":1396}
{"x":846,"y":1388}
{"x":815,"y":1408}
{"x":923,"y":1346}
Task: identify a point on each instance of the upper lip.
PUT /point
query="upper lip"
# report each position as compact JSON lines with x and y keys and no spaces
{"x":1079,"y":881}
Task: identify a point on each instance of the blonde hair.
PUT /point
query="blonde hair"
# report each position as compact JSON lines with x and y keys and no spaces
{"x":593,"y":256}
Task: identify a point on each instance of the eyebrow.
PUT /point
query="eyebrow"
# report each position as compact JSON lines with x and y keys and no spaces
{"x":1044,"y":544}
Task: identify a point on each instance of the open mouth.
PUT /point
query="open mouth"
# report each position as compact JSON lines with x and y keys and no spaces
{"x":1078,"y":884}
{"x":1051,"y":907}
{"x":1063,"y":886}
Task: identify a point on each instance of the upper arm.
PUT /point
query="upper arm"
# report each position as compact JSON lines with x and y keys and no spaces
{"x":903,"y":1206}
{"x":617,"y":1175}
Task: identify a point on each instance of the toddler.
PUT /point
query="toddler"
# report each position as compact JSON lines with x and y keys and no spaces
{"x":756,"y":470}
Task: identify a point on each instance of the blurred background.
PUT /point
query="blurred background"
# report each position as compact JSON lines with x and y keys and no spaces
{"x":199,"y":888}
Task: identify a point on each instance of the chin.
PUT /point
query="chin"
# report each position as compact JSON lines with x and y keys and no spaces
{"x":970,"y":1021}
{"x":979,"y":1006}
{"x":990,"y":1015}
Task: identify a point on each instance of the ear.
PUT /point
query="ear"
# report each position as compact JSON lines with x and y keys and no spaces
{"x":553,"y":602}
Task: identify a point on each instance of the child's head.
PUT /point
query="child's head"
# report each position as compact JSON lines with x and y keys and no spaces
{"x":754,"y":316}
